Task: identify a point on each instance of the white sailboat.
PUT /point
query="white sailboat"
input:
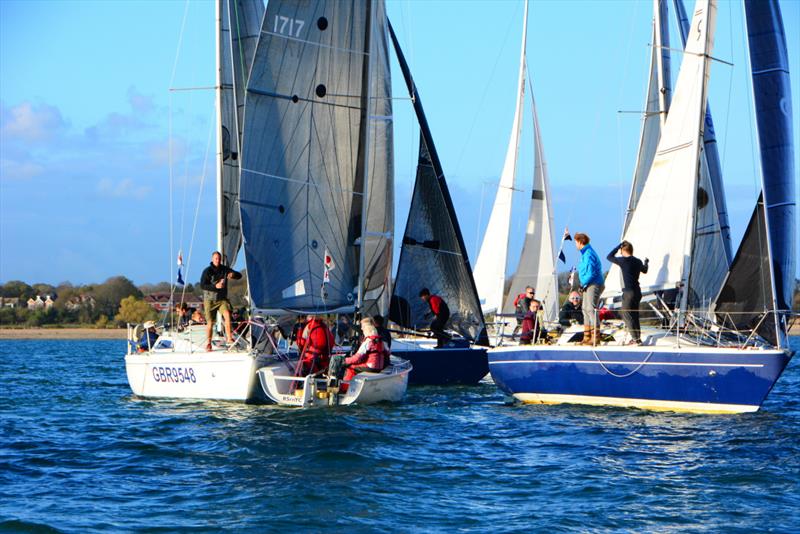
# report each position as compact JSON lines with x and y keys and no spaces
{"x":179,"y":365}
{"x":536,"y":265}
{"x":727,"y":356}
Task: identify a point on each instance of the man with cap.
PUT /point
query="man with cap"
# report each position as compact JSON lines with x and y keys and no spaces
{"x":149,"y":337}
{"x":214,"y":282}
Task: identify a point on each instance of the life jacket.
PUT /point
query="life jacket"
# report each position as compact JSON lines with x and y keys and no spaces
{"x":521,"y":305}
{"x":317,"y":338}
{"x":376,"y":358}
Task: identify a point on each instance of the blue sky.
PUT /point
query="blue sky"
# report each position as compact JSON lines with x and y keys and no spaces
{"x":86,"y":114}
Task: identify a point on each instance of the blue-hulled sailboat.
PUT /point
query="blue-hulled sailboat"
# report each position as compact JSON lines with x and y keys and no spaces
{"x":433,"y":255}
{"x":725,"y":341}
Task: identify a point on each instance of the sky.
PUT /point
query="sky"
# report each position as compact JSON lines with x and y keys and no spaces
{"x":91,"y":137}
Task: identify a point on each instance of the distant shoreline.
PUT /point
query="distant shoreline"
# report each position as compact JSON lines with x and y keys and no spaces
{"x":63,"y":333}
{"x":115,"y":333}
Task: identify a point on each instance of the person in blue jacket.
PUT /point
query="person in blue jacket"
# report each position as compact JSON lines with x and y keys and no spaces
{"x":590,"y":272}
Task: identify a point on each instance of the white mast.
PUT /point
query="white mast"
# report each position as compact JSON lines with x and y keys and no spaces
{"x":218,"y":105}
{"x":490,"y":268}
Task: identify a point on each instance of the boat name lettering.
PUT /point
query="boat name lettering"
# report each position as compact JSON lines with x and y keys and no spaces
{"x":174,"y":374}
{"x":291,"y":23}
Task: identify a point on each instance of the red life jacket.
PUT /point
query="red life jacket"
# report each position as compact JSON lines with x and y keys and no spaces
{"x":376,"y":357}
{"x":317,"y":338}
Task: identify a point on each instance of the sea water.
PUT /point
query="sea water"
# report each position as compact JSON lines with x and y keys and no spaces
{"x":80,"y":453}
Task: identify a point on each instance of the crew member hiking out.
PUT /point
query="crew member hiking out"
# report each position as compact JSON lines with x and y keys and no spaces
{"x":214,"y":282}
{"x":441,"y":315}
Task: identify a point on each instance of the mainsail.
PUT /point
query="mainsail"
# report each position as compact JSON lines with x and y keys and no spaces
{"x":306,"y":137}
{"x":490,"y":268}
{"x":433,"y":252}
{"x":536,"y":267}
{"x":662,"y":226}
{"x":239,"y":25}
{"x":761,"y":276}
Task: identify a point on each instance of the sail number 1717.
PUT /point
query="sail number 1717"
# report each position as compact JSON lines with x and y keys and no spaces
{"x":288,"y":26}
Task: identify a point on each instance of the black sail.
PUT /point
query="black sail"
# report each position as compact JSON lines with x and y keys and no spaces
{"x":433,"y":254}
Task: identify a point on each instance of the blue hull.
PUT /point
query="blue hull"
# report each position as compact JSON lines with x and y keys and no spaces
{"x":438,"y":367}
{"x":691,"y":378}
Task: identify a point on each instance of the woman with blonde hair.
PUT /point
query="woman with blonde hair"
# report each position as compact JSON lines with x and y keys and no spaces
{"x":372,"y":356}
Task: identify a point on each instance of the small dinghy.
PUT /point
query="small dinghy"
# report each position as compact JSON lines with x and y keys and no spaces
{"x":282,"y":386}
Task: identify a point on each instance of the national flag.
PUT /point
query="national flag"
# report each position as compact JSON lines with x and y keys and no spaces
{"x":179,"y":281}
{"x":329,"y":265}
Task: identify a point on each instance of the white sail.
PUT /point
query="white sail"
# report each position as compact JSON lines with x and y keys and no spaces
{"x":490,"y":268}
{"x":662,"y":226}
{"x":537,"y":264}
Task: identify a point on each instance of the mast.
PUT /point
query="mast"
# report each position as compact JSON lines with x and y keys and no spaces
{"x":218,"y":106}
{"x":490,"y":268}
{"x":365,"y":147}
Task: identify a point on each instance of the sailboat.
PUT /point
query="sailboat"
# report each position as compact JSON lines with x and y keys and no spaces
{"x":317,"y":181}
{"x":536,"y":264}
{"x":433,"y":251}
{"x":179,"y":365}
{"x":725,"y":343}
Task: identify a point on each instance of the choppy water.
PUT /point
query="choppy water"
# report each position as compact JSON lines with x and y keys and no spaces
{"x":78,"y":453}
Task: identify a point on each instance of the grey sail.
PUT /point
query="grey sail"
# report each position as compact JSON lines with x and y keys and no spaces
{"x":302,"y":172}
{"x":240,"y":25}
{"x":378,"y":243}
{"x":659,"y":94}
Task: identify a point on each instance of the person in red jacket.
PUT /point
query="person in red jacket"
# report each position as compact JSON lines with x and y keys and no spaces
{"x":441,"y":315}
{"x":372,"y":356}
{"x":315,"y":345}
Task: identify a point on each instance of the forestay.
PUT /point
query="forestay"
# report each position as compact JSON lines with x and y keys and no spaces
{"x":240,"y":22}
{"x":662,"y":226}
{"x":304,"y":147}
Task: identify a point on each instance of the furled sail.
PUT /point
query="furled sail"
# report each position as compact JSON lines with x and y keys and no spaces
{"x":239,"y":26}
{"x":710,"y":153}
{"x":762,"y":275}
{"x":662,"y":226}
{"x":433,"y":254}
{"x":490,"y":268}
{"x":659,"y":92}
{"x":304,"y":148}
{"x":536,"y":266}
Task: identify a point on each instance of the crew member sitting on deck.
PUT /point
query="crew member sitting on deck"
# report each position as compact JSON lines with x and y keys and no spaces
{"x":532,"y":329}
{"x":571,"y":310}
{"x":315,"y":345}
{"x":371,"y":357}
{"x":441,"y":315}
{"x":184,"y":315}
{"x":214,"y":282}
{"x":149,"y":337}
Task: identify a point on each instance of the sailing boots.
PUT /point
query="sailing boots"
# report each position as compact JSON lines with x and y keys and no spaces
{"x":587,"y":335}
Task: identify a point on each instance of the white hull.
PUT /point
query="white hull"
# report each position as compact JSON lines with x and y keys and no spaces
{"x":281,"y":386}
{"x":178,"y":368}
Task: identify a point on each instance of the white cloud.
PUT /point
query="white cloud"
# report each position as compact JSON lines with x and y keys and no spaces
{"x":125,"y":188}
{"x":141,"y":104}
{"x":19,"y":170}
{"x":31,"y":122}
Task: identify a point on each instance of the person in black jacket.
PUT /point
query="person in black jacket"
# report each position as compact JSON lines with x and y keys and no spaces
{"x":214,"y":282}
{"x":631,"y":267}
{"x":571,"y":310}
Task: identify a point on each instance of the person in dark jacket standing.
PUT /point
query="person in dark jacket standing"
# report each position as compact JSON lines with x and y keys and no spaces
{"x":214,"y":282}
{"x":441,"y":315}
{"x":631,"y":267}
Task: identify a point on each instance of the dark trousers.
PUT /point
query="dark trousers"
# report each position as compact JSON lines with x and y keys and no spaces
{"x":630,"y":312}
{"x":437,"y":327}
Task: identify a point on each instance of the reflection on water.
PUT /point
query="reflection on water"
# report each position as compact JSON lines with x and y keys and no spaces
{"x":78,"y":452}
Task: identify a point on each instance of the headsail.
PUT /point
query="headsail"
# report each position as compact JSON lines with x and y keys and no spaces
{"x":433,"y":252}
{"x":490,"y":268}
{"x":659,"y":93}
{"x":761,"y":276}
{"x":302,"y":178}
{"x":239,"y":26}
{"x":662,"y":227}
{"x":536,"y":266}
